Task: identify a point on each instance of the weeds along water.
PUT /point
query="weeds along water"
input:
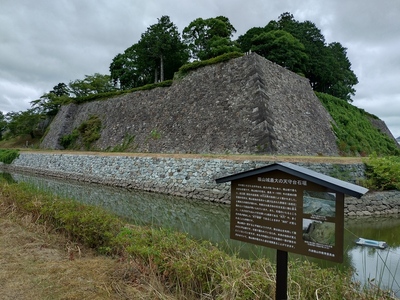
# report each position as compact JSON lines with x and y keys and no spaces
{"x":373,"y":268}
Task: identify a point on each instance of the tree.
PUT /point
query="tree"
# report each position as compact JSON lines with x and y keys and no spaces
{"x":162,"y":49}
{"x":282,"y":48}
{"x":60,"y":89}
{"x":24,"y":122}
{"x":326,"y":66}
{"x":3,"y":124}
{"x":126,"y":71}
{"x":344,"y":79}
{"x":49,"y":103}
{"x":207,"y":38}
{"x":245,"y":41}
{"x":158,"y":55}
{"x":92,"y":84}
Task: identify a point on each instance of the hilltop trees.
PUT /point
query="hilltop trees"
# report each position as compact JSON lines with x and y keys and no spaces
{"x":162,"y":48}
{"x":282,"y":48}
{"x":128,"y":70}
{"x":297,"y":46}
{"x":303,"y":50}
{"x":156,"y":57}
{"x":207,"y":38}
{"x":91,"y":84}
{"x":161,"y":51}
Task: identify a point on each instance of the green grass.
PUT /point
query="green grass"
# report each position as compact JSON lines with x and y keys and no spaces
{"x":106,"y":96}
{"x":355,"y":133}
{"x":7,"y":156}
{"x":212,"y":61}
{"x":383,"y":173}
{"x":186,"y":266}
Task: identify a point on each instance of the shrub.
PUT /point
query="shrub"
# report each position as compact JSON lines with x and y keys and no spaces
{"x":88,"y":132}
{"x":7,"y":156}
{"x":68,"y":141}
{"x":383,"y":173}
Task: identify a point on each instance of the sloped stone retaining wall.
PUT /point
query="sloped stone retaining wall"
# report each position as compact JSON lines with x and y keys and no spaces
{"x":192,"y":178}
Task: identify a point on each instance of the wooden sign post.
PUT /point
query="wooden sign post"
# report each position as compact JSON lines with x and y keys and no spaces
{"x":291,"y":209}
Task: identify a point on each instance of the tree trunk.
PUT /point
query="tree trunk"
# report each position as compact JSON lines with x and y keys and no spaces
{"x":161,"y":68}
{"x":155,"y":75}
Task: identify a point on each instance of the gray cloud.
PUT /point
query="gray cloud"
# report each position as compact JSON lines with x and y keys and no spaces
{"x":46,"y":42}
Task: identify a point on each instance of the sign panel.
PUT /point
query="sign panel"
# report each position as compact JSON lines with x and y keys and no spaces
{"x":281,"y":211}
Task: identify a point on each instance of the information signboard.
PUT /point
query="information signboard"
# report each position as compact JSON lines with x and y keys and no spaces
{"x":288,"y":213}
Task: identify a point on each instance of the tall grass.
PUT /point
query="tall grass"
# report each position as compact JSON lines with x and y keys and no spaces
{"x":7,"y":156}
{"x":189,"y":269}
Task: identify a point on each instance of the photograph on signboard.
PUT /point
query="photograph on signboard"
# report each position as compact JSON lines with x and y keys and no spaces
{"x":319,"y":203}
{"x":319,"y":232}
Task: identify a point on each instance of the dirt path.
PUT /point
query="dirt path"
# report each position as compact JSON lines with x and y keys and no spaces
{"x":274,"y":158}
{"x":38,"y":264}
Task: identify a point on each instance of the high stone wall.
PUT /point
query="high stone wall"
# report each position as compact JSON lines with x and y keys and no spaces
{"x":246,"y":105}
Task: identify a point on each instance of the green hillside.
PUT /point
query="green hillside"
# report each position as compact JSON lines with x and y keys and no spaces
{"x":354,"y":130}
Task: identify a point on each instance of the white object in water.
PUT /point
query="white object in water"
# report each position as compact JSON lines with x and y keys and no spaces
{"x":371,"y":243}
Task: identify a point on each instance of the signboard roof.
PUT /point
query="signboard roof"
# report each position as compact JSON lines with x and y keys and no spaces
{"x":306,"y":174}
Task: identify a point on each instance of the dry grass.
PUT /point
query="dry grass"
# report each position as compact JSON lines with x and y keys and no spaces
{"x":39,"y":264}
{"x":236,"y":157}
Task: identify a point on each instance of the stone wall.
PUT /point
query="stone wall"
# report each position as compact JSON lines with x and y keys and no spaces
{"x":188,"y":177}
{"x":246,"y":105}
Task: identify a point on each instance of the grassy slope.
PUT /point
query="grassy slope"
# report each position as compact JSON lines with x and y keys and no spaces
{"x":355,"y":133}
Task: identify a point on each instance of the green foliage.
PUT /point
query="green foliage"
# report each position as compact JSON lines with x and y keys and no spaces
{"x":192,"y":267}
{"x":303,"y":50}
{"x":156,"y":57}
{"x":199,"y":64}
{"x":90,"y":130}
{"x":91,"y":84}
{"x":87,"y":132}
{"x":207,"y":38}
{"x":126,"y":143}
{"x":162,"y":49}
{"x":90,"y":225}
{"x":7,"y":156}
{"x":68,"y":141}
{"x":383,"y":173}
{"x":3,"y":124}
{"x":155,"y":134}
{"x":355,"y":133}
{"x":341,"y":173}
{"x":108,"y":95}
{"x":49,"y":103}
{"x":24,"y":122}
{"x":281,"y":47}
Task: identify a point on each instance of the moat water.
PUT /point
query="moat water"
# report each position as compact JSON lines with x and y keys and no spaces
{"x":210,"y":221}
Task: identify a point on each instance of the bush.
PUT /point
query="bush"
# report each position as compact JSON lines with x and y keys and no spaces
{"x":87,"y":132}
{"x":68,"y":141}
{"x":383,"y":173}
{"x":7,"y":156}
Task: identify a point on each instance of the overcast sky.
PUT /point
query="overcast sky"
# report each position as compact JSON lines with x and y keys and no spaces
{"x":45,"y":42}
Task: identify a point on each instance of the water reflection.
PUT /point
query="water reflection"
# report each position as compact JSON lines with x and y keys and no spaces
{"x":210,"y":221}
{"x":200,"y":219}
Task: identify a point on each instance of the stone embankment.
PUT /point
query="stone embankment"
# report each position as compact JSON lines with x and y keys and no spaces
{"x":188,"y":177}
